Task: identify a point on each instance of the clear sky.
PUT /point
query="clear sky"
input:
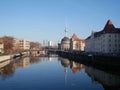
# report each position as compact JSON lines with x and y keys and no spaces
{"x":38,"y":20}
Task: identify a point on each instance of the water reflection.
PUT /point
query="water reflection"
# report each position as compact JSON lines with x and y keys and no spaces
{"x":108,"y":80}
{"x":76,"y":66}
{"x":7,"y":68}
{"x":73,"y":65}
{"x":72,"y":75}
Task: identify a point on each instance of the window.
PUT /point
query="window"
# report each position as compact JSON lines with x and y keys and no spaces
{"x":109,"y":45}
{"x":109,"y":40}
{"x":109,"y":35}
{"x":109,"y":50}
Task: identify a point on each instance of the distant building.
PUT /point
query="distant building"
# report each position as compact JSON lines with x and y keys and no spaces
{"x":1,"y":47}
{"x":76,"y":43}
{"x":21,"y":44}
{"x":16,"y":44}
{"x":50,"y":43}
{"x":104,"y":41}
{"x":71,"y":44}
{"x":65,"y":42}
{"x":24,"y":44}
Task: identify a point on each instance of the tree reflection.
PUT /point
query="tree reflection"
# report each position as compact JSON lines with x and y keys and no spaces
{"x":8,"y":69}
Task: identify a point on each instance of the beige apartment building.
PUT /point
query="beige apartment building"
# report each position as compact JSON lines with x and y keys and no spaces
{"x":76,"y":43}
{"x":24,"y":44}
{"x":21,"y":44}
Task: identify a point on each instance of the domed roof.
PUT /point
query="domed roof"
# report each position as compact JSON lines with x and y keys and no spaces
{"x":65,"y":62}
{"x":65,"y":39}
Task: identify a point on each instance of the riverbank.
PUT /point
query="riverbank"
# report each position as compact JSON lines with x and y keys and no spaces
{"x":5,"y":57}
{"x":12,"y":56}
{"x":104,"y":61}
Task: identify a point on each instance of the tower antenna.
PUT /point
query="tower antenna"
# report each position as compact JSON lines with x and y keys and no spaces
{"x":66,"y":30}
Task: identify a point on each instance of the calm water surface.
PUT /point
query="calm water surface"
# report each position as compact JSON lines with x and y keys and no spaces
{"x":43,"y":73}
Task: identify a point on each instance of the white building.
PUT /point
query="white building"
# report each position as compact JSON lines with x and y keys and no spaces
{"x":104,"y":41}
{"x":50,"y":43}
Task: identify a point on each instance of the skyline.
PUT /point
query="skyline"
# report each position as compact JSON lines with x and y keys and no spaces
{"x":38,"y":20}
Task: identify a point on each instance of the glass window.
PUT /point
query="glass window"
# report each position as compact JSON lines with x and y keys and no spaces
{"x":109,"y":45}
{"x":109,"y":50}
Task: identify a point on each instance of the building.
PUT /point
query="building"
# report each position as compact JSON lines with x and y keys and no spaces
{"x":50,"y":43}
{"x":19,"y":44}
{"x":65,"y":42}
{"x":76,"y":43}
{"x":16,"y":44}
{"x":104,"y":41}
{"x":24,"y":44}
{"x":1,"y":47}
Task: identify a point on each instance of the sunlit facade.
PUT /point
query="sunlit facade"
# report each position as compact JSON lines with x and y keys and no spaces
{"x":105,"y":41}
{"x":76,"y":43}
{"x":1,"y":47}
{"x":24,"y":44}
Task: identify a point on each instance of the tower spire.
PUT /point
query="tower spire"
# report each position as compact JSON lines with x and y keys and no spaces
{"x":66,"y":30}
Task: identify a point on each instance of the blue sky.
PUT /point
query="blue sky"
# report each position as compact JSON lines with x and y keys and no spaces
{"x":38,"y":20}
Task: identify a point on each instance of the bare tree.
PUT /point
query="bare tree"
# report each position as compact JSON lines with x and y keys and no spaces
{"x":8,"y":43}
{"x":35,"y":45}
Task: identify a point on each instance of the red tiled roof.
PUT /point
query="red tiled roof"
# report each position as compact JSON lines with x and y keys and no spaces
{"x":75,"y":37}
{"x":109,"y":28}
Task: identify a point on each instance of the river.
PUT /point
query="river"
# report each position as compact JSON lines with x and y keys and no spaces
{"x":54,"y":73}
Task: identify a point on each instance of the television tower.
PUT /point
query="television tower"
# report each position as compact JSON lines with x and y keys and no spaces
{"x":66,"y":30}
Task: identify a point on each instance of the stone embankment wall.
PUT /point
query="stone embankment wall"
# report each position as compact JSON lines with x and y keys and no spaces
{"x":6,"y":57}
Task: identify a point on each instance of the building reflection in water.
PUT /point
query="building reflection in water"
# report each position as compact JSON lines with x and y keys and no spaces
{"x":72,"y":64}
{"x":8,"y":68}
{"x":108,"y":80}
{"x":65,"y":63}
{"x":76,"y":66}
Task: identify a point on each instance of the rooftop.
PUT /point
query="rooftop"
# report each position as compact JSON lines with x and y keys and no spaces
{"x":109,"y":28}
